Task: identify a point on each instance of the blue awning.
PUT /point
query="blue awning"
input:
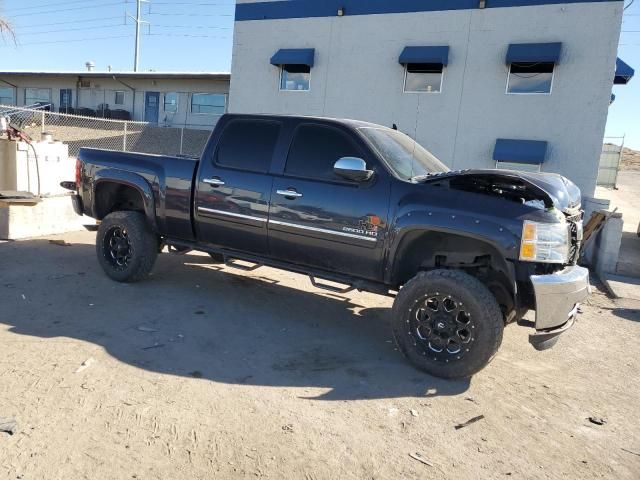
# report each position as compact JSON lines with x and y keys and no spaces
{"x":520,"y":151}
{"x":438,"y":54}
{"x":624,"y":73}
{"x":294,"y":56}
{"x":534,"y":52}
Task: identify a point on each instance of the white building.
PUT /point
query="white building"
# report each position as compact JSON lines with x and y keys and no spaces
{"x":479,"y":82}
{"x":175,"y":99}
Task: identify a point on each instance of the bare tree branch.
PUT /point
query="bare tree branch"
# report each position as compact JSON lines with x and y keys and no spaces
{"x":7,"y":30}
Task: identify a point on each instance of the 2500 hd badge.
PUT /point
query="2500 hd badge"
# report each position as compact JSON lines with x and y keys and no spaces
{"x":368,"y":226}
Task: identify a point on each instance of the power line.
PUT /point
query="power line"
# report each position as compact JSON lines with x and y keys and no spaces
{"x":193,"y":14}
{"x":94,"y":27}
{"x":50,"y":5}
{"x":196,"y":4}
{"x":185,"y":35}
{"x":48,"y":24}
{"x":94,"y":5}
{"x":190,"y":26}
{"x":75,"y":40}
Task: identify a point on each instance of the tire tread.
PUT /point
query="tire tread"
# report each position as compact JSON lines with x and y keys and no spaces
{"x":492,"y":315}
{"x":144,"y":241}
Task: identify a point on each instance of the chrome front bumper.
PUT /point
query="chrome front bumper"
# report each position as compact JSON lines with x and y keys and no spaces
{"x":557,"y":298}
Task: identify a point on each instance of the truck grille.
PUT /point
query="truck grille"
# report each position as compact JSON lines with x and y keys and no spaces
{"x":575,"y":234}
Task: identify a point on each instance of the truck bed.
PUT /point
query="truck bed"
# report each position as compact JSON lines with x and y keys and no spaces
{"x":170,"y":180}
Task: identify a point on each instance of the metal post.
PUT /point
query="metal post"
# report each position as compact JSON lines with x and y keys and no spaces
{"x":138,"y":11}
{"x":138,"y":21}
{"x":620,"y":157}
{"x":42,"y":123}
{"x":181,"y":139}
{"x":124,"y":138}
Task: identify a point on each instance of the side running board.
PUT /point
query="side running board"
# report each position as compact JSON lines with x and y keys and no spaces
{"x":233,"y":263}
{"x":330,"y":288}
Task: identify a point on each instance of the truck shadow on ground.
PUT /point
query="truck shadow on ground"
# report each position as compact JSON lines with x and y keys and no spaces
{"x":627,"y":313}
{"x":192,"y":319}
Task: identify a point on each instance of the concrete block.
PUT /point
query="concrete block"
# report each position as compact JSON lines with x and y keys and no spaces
{"x":607,"y":246}
{"x":590,"y":205}
{"x":51,"y":216}
{"x":623,"y":287}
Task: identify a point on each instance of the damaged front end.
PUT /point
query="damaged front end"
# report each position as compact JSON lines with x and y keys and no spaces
{"x":548,"y":192}
{"x":552,"y":283}
{"x":541,"y":190}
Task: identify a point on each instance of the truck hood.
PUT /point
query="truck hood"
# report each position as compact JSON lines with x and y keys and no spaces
{"x":551,"y":188}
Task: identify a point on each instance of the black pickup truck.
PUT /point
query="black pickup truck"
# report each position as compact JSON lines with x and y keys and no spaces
{"x":463,"y":252}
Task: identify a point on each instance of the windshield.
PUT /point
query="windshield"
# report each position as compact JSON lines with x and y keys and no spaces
{"x":406,"y":157}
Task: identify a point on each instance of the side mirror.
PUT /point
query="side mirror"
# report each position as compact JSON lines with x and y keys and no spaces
{"x":352,"y":168}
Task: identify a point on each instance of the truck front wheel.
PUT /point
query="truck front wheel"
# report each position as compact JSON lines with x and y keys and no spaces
{"x":447,"y":323}
{"x":126,"y":246}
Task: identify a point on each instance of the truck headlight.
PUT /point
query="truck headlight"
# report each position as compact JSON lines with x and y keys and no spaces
{"x":544,"y":242}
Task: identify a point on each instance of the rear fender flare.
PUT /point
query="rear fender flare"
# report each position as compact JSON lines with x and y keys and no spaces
{"x":133,"y":180}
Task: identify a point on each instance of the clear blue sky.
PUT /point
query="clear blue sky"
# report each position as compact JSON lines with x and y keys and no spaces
{"x":624,"y":114}
{"x":182,"y":35}
{"x":197,"y":35}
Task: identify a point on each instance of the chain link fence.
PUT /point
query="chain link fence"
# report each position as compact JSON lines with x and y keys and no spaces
{"x":610,"y":159}
{"x":79,"y":131}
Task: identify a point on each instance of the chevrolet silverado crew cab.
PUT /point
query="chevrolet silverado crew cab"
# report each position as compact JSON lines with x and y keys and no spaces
{"x":463,"y":252}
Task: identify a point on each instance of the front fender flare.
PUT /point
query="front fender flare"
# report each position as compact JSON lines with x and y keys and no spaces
{"x":501,"y":238}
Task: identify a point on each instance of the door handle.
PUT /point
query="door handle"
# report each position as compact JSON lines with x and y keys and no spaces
{"x":215,"y":181}
{"x":289,"y":193}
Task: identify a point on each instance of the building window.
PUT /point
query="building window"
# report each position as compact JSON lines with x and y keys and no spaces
{"x":423,"y":77}
{"x":531,"y":67}
{"x":518,"y":167}
{"x":37,"y":95}
{"x":295,"y":78}
{"x":208,"y":103}
{"x":119,"y":97}
{"x":6,"y":96}
{"x":171,"y":102}
{"x":295,"y":68}
{"x":530,"y":77}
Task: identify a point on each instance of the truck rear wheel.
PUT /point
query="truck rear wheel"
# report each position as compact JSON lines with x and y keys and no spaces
{"x":447,"y":323}
{"x":126,"y":246}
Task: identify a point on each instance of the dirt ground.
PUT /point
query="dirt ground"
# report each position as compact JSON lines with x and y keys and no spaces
{"x":630,"y":159}
{"x":208,"y":372}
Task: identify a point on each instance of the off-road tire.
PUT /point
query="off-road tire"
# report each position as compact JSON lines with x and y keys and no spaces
{"x":143,"y":244}
{"x":485,"y":327}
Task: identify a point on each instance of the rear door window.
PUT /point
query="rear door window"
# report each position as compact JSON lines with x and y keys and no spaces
{"x":315,"y":149}
{"x":248,"y":145}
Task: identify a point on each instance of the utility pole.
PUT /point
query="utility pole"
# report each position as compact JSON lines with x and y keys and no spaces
{"x":138,"y":13}
{"x":139,"y":21}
